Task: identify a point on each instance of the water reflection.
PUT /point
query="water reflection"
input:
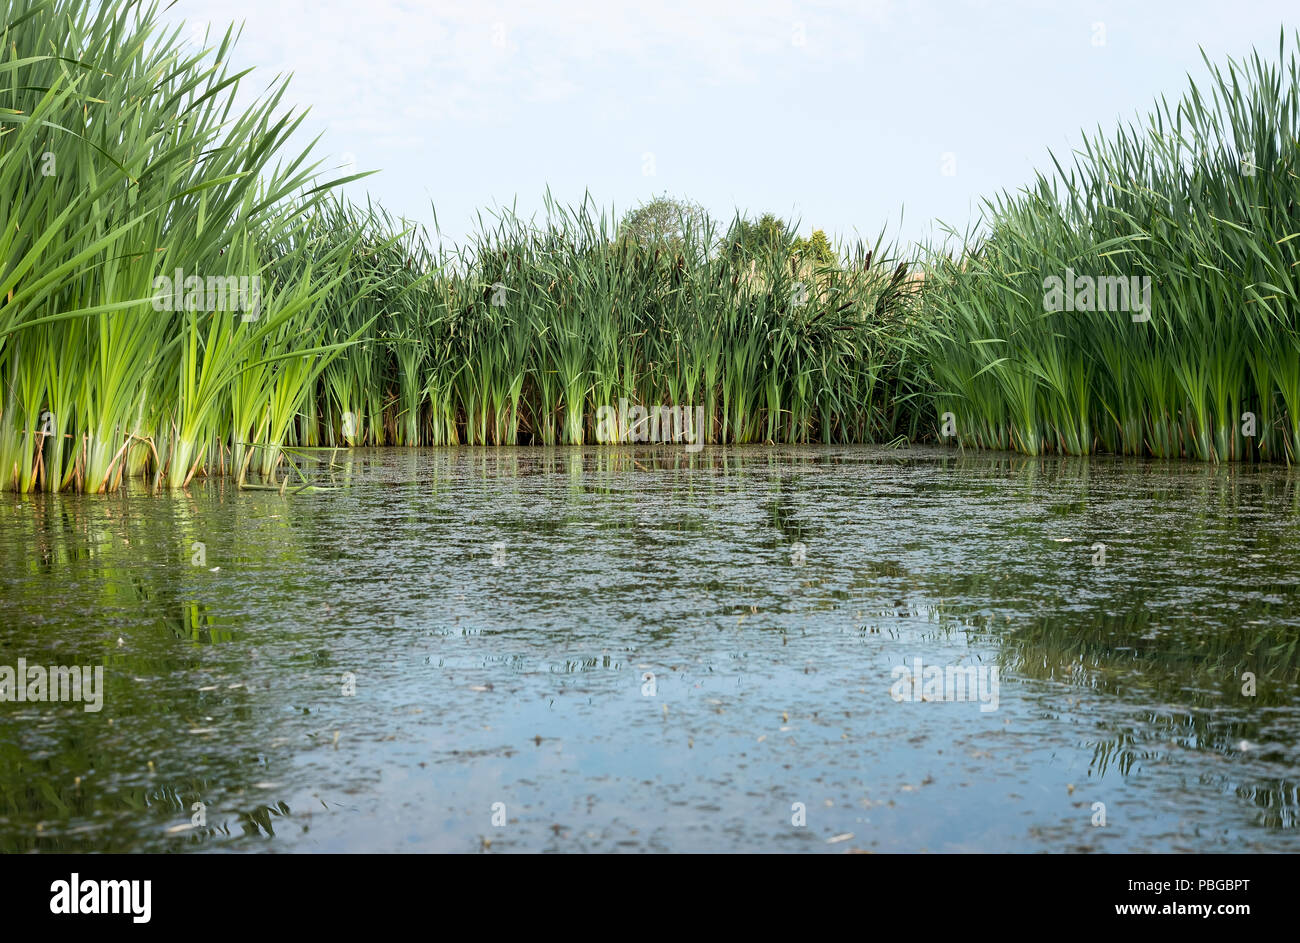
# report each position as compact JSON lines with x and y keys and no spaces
{"x":500,"y":609}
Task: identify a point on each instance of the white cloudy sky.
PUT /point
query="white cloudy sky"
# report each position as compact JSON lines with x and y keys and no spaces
{"x":840,"y":114}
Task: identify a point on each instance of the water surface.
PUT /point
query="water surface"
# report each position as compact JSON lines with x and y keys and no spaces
{"x":378,"y":666}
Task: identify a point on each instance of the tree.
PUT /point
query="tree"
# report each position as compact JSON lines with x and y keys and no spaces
{"x":673,"y":224}
{"x":748,"y":238}
{"x":817,"y":248}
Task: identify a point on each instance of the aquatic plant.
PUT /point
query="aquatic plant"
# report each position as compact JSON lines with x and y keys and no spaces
{"x":152,"y":253}
{"x":182,"y":296}
{"x":1143,"y":301}
{"x":526,"y":332}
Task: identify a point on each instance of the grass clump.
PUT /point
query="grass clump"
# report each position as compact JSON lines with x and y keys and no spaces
{"x":1200,"y":203}
{"x":124,"y":161}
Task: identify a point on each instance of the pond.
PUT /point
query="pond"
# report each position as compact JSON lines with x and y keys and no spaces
{"x":649,"y":649}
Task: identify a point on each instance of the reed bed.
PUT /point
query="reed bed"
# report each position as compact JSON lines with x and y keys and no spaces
{"x":126,"y":160}
{"x":1202,"y":199}
{"x":526,"y":333}
{"x":123,"y":159}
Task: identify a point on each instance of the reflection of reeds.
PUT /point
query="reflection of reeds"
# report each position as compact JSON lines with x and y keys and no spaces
{"x":54,"y":803}
{"x":188,"y":620}
{"x":1116,"y":652}
{"x":1278,"y":801}
{"x":1203,"y":200}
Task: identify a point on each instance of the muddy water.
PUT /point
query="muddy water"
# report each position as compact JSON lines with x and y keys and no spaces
{"x":650,"y":650}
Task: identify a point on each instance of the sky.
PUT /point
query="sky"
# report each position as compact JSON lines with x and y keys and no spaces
{"x":855,"y":118}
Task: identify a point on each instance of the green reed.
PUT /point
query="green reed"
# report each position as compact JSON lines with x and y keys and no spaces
{"x":1201,"y":198}
{"x":126,"y":160}
{"x":123,"y":159}
{"x":521,"y":335}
